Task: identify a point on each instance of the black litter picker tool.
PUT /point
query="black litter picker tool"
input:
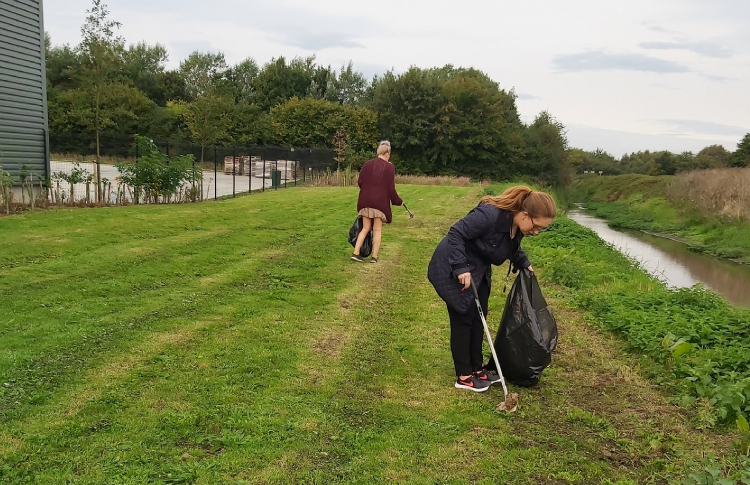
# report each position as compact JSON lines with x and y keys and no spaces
{"x":510,"y":404}
{"x":411,"y":216}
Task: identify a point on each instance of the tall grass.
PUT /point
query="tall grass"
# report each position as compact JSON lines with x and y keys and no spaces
{"x":338,"y":178}
{"x":722,"y":191}
{"x":439,"y":180}
{"x":348,"y":178}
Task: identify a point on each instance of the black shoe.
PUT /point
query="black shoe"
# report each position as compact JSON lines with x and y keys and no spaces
{"x":357,"y":258}
{"x":485,"y":376}
{"x":373,"y":260}
{"x":472,"y":384}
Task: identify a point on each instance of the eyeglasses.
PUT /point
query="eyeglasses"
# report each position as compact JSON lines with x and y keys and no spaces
{"x":535,"y":228}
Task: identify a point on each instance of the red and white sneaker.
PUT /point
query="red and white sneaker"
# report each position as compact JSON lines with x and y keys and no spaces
{"x":485,"y":376}
{"x":472,"y":384}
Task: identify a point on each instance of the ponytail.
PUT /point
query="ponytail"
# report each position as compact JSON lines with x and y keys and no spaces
{"x":520,"y":198}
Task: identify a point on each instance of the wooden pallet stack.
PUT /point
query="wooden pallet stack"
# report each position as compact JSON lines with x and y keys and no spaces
{"x":249,"y":164}
{"x":263,"y":169}
{"x":236,"y":165}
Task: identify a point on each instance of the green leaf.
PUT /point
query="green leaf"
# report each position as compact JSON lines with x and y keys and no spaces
{"x":686,"y":401}
{"x":668,"y":340}
{"x":682,"y":349}
{"x":742,"y":424}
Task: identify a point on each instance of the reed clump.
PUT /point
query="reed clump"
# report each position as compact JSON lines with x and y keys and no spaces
{"x":722,"y":191}
{"x":348,"y":177}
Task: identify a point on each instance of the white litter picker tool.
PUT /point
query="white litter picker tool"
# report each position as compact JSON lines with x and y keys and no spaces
{"x":510,"y":404}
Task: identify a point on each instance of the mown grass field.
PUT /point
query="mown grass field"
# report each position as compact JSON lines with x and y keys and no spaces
{"x":235,"y":343}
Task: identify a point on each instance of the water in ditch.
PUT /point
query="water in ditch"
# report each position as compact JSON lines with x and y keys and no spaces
{"x":673,"y":262}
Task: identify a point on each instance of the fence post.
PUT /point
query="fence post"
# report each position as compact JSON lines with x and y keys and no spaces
{"x":216,"y":178}
{"x":286,"y":171}
{"x":263,"y":189}
{"x":249,"y":175}
{"x":99,"y":195}
{"x":135,"y":189}
{"x":234,"y":168}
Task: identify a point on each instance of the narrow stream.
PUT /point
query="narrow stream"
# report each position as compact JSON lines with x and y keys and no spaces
{"x":672,"y":262}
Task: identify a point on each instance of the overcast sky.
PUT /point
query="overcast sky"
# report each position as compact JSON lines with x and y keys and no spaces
{"x":622,"y":76}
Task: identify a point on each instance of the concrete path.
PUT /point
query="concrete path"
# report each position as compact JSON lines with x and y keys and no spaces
{"x":214,"y":185}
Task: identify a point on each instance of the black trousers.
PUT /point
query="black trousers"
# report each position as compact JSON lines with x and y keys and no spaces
{"x":467,"y":334}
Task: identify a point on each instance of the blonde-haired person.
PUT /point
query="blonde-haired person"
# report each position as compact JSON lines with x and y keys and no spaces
{"x":377,"y":191}
{"x":490,"y":234}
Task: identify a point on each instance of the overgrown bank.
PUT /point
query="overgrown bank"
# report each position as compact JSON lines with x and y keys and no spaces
{"x":708,"y":210}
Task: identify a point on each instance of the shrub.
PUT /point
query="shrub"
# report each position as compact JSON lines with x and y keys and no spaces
{"x":157,"y":178}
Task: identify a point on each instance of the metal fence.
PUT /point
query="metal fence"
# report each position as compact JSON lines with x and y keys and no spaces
{"x":227,"y":170}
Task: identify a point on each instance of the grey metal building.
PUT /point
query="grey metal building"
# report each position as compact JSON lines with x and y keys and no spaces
{"x":23,"y":89}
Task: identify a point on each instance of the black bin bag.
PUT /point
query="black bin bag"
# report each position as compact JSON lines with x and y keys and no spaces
{"x":527,"y":335}
{"x":356,"y":228}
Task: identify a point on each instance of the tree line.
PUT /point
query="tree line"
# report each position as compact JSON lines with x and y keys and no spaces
{"x":660,"y":162}
{"x":441,"y":121}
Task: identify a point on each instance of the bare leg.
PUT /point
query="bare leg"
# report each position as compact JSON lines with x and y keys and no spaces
{"x":377,"y":231}
{"x":366,"y":225}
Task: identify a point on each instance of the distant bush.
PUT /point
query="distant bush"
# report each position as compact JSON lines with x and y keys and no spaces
{"x":156,"y":178}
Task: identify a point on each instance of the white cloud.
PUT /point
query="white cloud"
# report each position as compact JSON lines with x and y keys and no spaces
{"x":690,"y":127}
{"x":703,"y":48}
{"x":605,"y":61}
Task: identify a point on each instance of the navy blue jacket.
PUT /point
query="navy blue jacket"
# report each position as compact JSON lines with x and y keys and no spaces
{"x":474,"y":244}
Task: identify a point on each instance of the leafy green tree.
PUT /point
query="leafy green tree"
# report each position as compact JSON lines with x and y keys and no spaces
{"x":477,"y":136}
{"x":741,"y":156}
{"x":580,"y":161}
{"x":164,"y":122}
{"x":409,"y":115}
{"x":101,"y":53}
{"x":713,"y":156}
{"x":640,"y":162}
{"x":278,"y":81}
{"x":209,"y":118}
{"x":448,"y":121}
{"x":684,"y":162}
{"x":322,"y":85}
{"x":349,"y":86}
{"x":666,"y":163}
{"x":71,"y":113}
{"x":62,"y":66}
{"x":249,"y":125}
{"x":313,"y":123}
{"x":238,"y":81}
{"x":170,"y":86}
{"x":144,"y":65}
{"x":545,"y":151}
{"x":202,"y":72}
